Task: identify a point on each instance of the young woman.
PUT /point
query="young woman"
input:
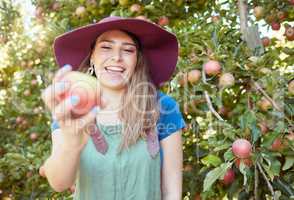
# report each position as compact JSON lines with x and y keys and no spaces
{"x":135,"y":150}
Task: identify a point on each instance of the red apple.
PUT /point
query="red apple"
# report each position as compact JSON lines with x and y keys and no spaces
{"x":265,"y":41}
{"x":212,"y":67}
{"x":226,"y":80}
{"x":163,"y":21}
{"x":291,"y":87}
{"x":29,"y":174}
{"x":56,"y":6}
{"x":27,"y":93}
{"x":19,"y":120}
{"x":277,"y":145}
{"x":289,"y":33}
{"x":194,"y":76}
{"x":264,"y":104}
{"x":80,"y":11}
{"x":258,"y":12}
{"x":183,"y":78}
{"x":39,"y":12}
{"x":136,"y":8}
{"x":241,"y":148}
{"x":215,"y":18}
{"x":229,"y":177}
{"x":275,"y":26}
{"x":247,"y":162}
{"x":34,"y":82}
{"x":42,"y":171}
{"x":263,"y":127}
{"x":197,"y":196}
{"x":282,"y":15}
{"x":85,"y":87}
{"x":188,"y":168}
{"x":33,"y":136}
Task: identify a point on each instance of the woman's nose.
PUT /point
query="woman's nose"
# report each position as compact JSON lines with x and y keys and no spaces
{"x":117,"y":55}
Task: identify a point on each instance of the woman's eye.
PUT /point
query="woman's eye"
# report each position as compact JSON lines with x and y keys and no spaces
{"x":129,"y":50}
{"x":104,"y":47}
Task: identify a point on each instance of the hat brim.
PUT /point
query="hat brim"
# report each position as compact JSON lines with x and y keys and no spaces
{"x":159,"y":47}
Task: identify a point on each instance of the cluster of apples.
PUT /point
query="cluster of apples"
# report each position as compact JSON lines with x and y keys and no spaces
{"x":274,"y":18}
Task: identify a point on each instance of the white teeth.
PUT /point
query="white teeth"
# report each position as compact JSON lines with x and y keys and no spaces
{"x":115,"y":68}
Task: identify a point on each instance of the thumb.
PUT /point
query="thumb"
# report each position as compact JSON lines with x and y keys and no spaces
{"x":88,"y":121}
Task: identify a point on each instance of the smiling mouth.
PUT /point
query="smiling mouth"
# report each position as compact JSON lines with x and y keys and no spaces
{"x":114,"y":69}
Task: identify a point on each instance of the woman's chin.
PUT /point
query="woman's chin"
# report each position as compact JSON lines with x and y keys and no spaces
{"x":114,"y":84}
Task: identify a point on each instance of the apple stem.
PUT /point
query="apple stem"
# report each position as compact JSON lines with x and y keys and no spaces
{"x":275,"y":105}
{"x":207,"y":98}
{"x":270,"y":187}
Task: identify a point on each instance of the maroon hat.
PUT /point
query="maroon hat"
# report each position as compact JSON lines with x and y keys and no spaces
{"x":159,"y":46}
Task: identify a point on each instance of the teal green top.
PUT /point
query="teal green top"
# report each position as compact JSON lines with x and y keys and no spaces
{"x":131,"y":175}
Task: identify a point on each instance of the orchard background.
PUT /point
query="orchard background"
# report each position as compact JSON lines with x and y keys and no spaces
{"x":232,"y":82}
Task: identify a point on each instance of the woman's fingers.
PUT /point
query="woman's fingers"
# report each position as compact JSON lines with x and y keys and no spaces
{"x":62,"y":111}
{"x":51,"y":93}
{"x":87,"y":123}
{"x":61,"y":72}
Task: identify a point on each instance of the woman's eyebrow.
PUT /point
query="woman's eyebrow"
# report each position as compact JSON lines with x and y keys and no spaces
{"x":111,"y":41}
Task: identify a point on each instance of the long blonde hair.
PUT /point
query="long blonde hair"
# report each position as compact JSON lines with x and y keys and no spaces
{"x":139,"y":115}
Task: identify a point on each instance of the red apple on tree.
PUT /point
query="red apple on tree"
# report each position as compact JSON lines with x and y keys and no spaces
{"x":282,"y":15}
{"x":275,"y":26}
{"x":229,"y":177}
{"x":265,"y":41}
{"x":80,"y":11}
{"x":163,"y":21}
{"x":194,"y":76}
{"x":33,"y":136}
{"x":258,"y":12}
{"x":212,"y":67}
{"x":264,"y":104}
{"x":277,"y":145}
{"x":242,"y":148}
{"x":136,"y":8}
{"x":226,"y":80}
{"x":289,"y":33}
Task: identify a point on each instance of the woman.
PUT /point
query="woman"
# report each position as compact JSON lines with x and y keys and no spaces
{"x":120,"y":158}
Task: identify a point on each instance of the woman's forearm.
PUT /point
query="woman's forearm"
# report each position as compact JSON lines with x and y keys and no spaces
{"x":61,"y":168}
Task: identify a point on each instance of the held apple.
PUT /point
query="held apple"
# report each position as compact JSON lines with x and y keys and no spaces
{"x":241,"y":148}
{"x":85,"y":87}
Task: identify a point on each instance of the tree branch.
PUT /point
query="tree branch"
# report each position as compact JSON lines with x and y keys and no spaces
{"x":208,"y":101}
{"x":270,"y":187}
{"x":256,"y":180}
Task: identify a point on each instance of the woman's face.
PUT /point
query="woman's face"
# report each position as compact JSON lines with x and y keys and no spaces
{"x":115,"y":58}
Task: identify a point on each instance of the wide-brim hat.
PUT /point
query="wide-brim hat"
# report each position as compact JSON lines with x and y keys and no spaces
{"x":159,"y":46}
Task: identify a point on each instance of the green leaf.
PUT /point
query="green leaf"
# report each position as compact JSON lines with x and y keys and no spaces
{"x":288,"y":163}
{"x":215,"y":174}
{"x":211,"y":160}
{"x":269,"y":138}
{"x":228,"y":156}
{"x":255,"y":133}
